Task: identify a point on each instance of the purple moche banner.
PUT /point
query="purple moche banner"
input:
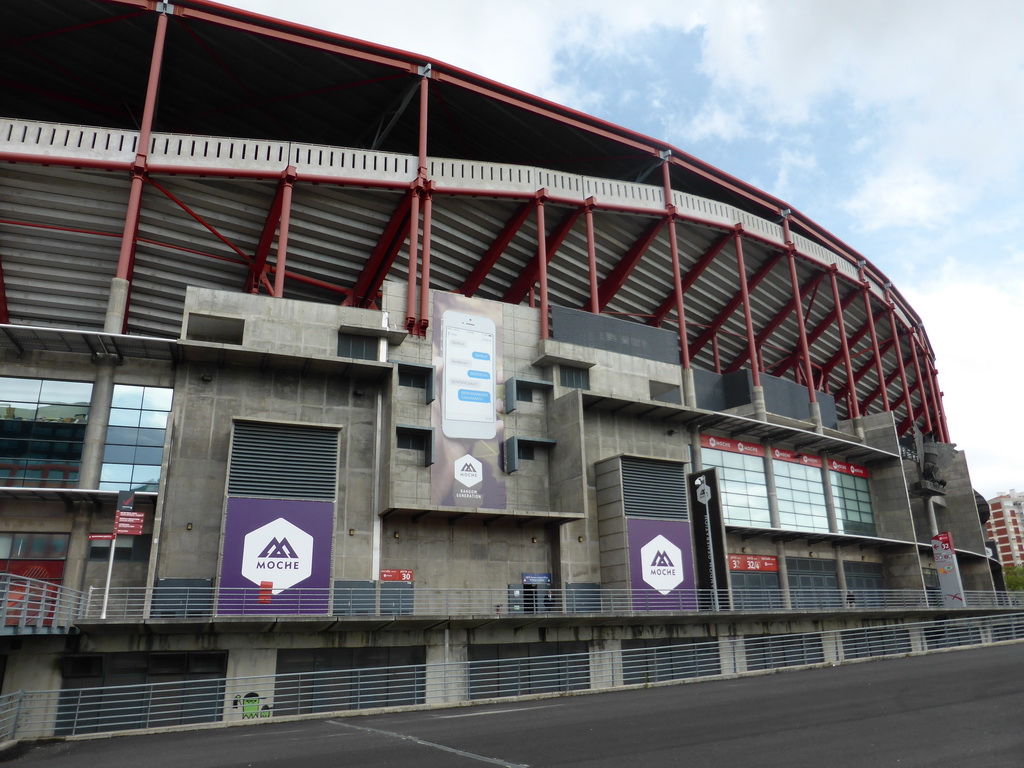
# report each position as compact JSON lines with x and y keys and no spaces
{"x":661,"y":565}
{"x":277,"y":557}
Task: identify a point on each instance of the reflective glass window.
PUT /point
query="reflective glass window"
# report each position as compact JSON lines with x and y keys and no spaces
{"x":801,"y":495}
{"x":42,"y":431}
{"x":852,"y":497}
{"x":135,"y":438}
{"x":743,"y":487}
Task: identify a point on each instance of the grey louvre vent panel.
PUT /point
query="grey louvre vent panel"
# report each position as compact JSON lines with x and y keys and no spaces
{"x":283,"y":461}
{"x":654,"y":489}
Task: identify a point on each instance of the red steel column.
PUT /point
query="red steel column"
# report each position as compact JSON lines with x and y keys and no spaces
{"x":851,"y":384}
{"x":592,"y":255}
{"x":798,"y":307}
{"x":424,"y":319}
{"x":126,"y":257}
{"x":677,"y":278}
{"x":747,"y":316}
{"x":412,"y":319}
{"x":414,"y":245}
{"x":866,"y":288}
{"x":940,"y":414}
{"x":542,"y":264}
{"x":920,"y":382}
{"x":282,"y":234}
{"x":4,"y":315}
{"x":899,"y":361}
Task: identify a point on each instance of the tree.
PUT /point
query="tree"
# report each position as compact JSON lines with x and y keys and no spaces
{"x":1014,"y":576}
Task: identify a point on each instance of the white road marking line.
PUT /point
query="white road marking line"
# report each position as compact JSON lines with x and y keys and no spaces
{"x":431,"y":744}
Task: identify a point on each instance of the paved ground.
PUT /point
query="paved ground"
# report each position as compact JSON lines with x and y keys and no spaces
{"x":952,"y":709}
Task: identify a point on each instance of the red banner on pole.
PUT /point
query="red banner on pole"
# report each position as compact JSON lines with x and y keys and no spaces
{"x":127,"y":522}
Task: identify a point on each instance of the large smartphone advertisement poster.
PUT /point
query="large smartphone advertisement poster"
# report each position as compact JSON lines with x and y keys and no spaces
{"x":276,"y":557}
{"x":467,"y":360}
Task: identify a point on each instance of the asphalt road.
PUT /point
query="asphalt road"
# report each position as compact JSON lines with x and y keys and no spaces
{"x":952,"y":709}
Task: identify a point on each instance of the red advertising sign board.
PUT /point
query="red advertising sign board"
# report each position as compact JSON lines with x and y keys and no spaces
{"x":732,"y":446}
{"x":847,"y":469}
{"x":128,"y":523}
{"x":396,"y":574}
{"x":793,"y":457}
{"x":767,"y":563}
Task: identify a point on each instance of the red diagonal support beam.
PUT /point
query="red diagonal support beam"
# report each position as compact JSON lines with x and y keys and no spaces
{"x":531,"y":272}
{"x":258,"y":268}
{"x":620,"y":273}
{"x":893,"y":375}
{"x":4,"y":315}
{"x":206,"y":225}
{"x":855,"y":338}
{"x":733,"y":304}
{"x":501,"y":242}
{"x":384,"y":254}
{"x":773,"y":325}
{"x":861,"y":372}
{"x":669,"y":303}
{"x":792,"y":358}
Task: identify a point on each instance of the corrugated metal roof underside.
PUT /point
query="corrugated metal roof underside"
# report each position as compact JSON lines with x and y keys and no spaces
{"x":59,"y":258}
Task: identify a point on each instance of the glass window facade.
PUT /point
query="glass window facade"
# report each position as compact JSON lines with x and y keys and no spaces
{"x":578,"y":378}
{"x":852,"y":498}
{"x":801,"y":496}
{"x":135,"y":438}
{"x":42,"y":430}
{"x":743,"y":486}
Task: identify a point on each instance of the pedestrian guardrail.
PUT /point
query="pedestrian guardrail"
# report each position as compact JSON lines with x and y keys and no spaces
{"x":221,"y":701}
{"x":376,"y":599}
{"x":32,"y":606}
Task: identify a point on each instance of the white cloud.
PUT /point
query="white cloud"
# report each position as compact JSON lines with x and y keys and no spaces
{"x":905,"y":197}
{"x":972,"y":323}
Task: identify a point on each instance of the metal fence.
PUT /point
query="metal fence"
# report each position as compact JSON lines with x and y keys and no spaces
{"x":138,"y":603}
{"x":30,"y":606}
{"x":83,"y":711}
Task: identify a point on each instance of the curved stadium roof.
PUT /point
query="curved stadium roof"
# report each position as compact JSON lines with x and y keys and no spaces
{"x":366,"y":139}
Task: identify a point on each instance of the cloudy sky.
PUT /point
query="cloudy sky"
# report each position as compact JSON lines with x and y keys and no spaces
{"x":896,"y":125}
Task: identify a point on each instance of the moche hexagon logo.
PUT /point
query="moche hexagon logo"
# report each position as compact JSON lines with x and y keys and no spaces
{"x":279,"y":552}
{"x":468,"y":471}
{"x":662,"y":564}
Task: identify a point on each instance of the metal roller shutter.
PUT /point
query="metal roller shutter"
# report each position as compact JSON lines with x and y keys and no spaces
{"x":283,"y":461}
{"x":655,"y":489}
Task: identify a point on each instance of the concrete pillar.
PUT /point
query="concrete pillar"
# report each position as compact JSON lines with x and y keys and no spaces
{"x":773,"y":493}
{"x":78,"y":547}
{"x":760,"y":410}
{"x":832,"y":647}
{"x":32,"y":668}
{"x":117,"y":306}
{"x":447,"y":670}
{"x":841,"y":574}
{"x":858,"y":428}
{"x":605,"y":663}
{"x":780,"y":556}
{"x":252,"y":696}
{"x":96,"y":429}
{"x":689,"y":389}
{"x":830,"y":502}
{"x":815,"y":412}
{"x":730,"y":654}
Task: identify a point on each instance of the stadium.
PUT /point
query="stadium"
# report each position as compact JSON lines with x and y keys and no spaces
{"x":323,"y":356}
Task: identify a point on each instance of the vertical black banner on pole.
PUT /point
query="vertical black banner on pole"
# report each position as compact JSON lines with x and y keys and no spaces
{"x":710,"y":561}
